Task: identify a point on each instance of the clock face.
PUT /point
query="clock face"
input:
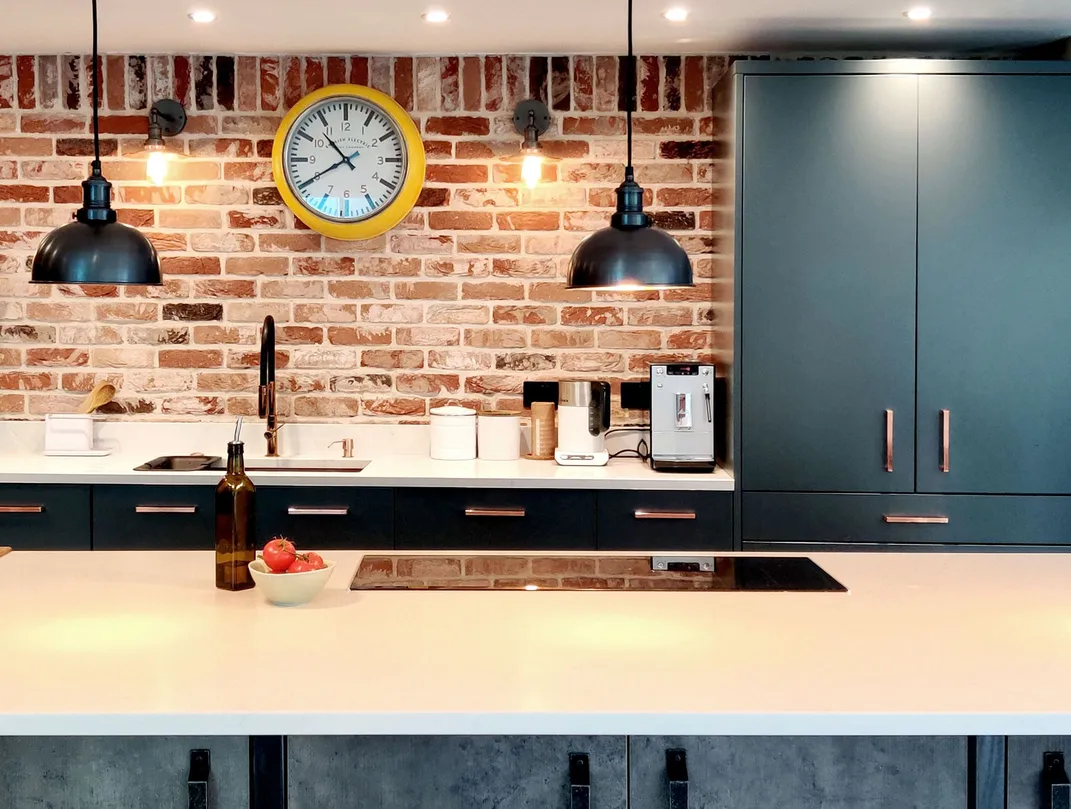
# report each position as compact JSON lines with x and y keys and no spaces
{"x":345,"y":159}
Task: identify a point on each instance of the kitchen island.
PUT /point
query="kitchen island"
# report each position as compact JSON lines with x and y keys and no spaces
{"x":917,"y":687}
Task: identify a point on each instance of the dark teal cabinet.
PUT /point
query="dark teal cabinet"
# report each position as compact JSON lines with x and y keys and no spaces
{"x":828,"y":282}
{"x":994,"y":279}
{"x":45,"y":517}
{"x":903,"y":268}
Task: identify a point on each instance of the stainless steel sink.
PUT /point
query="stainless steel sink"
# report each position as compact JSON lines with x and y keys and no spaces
{"x":304,"y":465}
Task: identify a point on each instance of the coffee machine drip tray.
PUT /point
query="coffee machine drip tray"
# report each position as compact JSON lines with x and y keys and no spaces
{"x":659,"y":573}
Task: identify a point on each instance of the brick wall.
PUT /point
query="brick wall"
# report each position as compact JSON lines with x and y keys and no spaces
{"x":463,"y":301}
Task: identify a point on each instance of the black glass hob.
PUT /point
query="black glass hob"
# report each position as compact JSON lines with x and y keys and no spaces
{"x":633,"y":573}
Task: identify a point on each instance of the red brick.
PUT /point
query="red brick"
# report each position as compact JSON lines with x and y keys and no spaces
{"x":190,"y":358}
{"x":61,"y":357}
{"x":690,"y":339}
{"x":492,"y":291}
{"x":660,"y":316}
{"x":427,"y":336}
{"x":128,"y":312}
{"x":460,"y":220}
{"x":25,"y":193}
{"x":290,"y":242}
{"x":492,"y":75}
{"x":488,"y":244}
{"x":359,"y":335}
{"x":494,"y":384}
{"x":52,"y":123}
{"x":583,"y":77}
{"x":396,"y":406}
{"x":511,"y":173}
{"x":12,"y":403}
{"x":593,"y":125}
{"x":425,"y":290}
{"x":149,"y":195}
{"x":529,"y":220}
{"x":563,"y":338}
{"x":496,"y":338}
{"x":224,"y":289}
{"x":526,"y":315}
{"x":458,"y":313}
{"x":606,"y":82}
{"x":34,"y":147}
{"x":192,"y":265}
{"x":358,"y":290}
{"x":449,"y":85}
{"x":27,"y":93}
{"x":428,"y":384}
{"x":619,"y":338}
{"x":269,"y":83}
{"x":436,"y":172}
{"x":592,"y":316}
{"x":23,"y":380}
{"x":257,"y":266}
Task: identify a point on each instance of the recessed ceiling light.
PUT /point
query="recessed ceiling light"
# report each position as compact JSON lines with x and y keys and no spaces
{"x":919,"y":13}
{"x":436,"y":16}
{"x":676,"y":14}
{"x":202,"y":15}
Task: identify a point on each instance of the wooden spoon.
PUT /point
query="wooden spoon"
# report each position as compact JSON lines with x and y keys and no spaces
{"x":5,"y":551}
{"x":103,"y":393}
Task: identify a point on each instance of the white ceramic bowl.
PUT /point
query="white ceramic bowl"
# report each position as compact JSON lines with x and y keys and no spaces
{"x":289,"y":589}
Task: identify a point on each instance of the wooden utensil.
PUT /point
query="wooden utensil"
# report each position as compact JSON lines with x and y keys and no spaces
{"x":98,"y":397}
{"x":5,"y":551}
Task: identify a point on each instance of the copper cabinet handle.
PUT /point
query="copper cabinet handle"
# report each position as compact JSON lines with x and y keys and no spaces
{"x":896,"y":519}
{"x":302,"y":511}
{"x":946,"y":417}
{"x":888,"y":440}
{"x":644,"y":514}
{"x":165,"y":509}
{"x":21,"y":509}
{"x":495,"y":512}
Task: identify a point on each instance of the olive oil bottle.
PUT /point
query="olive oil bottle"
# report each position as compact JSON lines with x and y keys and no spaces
{"x":235,"y":528}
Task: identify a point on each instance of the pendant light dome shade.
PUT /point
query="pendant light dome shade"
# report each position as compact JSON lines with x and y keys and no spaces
{"x":96,"y":248}
{"x":629,"y":254}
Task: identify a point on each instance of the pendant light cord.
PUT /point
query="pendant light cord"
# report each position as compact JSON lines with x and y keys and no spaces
{"x":96,"y":95}
{"x":630,"y":75}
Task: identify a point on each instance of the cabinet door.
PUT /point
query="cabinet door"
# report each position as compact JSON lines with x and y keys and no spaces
{"x":804,"y":773}
{"x":827,"y":275}
{"x":45,"y":518}
{"x":1026,"y":758}
{"x":108,"y":772}
{"x":494,"y":519}
{"x":994,"y":302}
{"x":154,"y":518}
{"x":451,"y":772}
{"x":336,"y":518}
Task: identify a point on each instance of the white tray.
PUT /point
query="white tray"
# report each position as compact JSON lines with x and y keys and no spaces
{"x":78,"y":453}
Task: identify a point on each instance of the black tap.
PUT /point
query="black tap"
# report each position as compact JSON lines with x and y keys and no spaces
{"x":267,"y":386}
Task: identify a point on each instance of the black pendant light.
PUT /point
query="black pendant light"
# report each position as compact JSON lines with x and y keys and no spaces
{"x":95,"y":248}
{"x":629,"y":254}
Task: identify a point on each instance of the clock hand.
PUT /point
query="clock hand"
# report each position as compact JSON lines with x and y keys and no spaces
{"x":341,"y":154}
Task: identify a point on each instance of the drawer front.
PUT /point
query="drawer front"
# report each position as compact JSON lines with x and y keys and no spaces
{"x":340,"y":518}
{"x":648,"y":521}
{"x":154,"y":518}
{"x":494,"y":519}
{"x":913,"y":520}
{"x":42,"y":518}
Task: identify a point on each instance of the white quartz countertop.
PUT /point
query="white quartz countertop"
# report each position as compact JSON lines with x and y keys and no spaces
{"x":142,"y":643}
{"x":383,"y":470}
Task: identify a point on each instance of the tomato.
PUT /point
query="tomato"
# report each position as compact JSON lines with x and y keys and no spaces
{"x":302,"y":565}
{"x":316,"y":559}
{"x":279,"y":554}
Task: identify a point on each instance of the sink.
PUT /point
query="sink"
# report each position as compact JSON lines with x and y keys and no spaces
{"x":304,"y":465}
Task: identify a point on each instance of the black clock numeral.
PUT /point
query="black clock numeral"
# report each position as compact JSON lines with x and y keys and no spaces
{"x":346,"y":126}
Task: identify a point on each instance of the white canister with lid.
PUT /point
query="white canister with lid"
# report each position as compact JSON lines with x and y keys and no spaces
{"x":499,"y":435}
{"x":453,"y":433}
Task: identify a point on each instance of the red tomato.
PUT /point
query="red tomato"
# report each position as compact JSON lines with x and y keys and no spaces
{"x":316,"y":559}
{"x":302,"y":564}
{"x":279,"y":554}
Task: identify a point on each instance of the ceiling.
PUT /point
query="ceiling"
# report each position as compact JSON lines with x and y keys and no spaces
{"x":527,"y":26}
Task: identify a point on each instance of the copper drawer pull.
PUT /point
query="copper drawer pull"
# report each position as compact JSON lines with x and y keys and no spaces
{"x":165,"y":509}
{"x":21,"y":509}
{"x":644,"y":514}
{"x":888,"y":440}
{"x":495,"y":512}
{"x":301,"y":511}
{"x":898,"y":520}
{"x":946,"y":417}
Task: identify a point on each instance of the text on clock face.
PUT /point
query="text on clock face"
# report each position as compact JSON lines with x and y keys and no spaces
{"x":345,"y":159}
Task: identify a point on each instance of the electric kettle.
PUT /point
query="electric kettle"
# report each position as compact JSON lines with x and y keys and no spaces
{"x":583,"y":421}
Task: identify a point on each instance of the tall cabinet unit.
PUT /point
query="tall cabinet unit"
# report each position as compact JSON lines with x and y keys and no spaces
{"x":903,"y":282}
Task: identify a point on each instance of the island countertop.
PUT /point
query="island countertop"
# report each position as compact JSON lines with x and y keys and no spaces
{"x":132,"y":643}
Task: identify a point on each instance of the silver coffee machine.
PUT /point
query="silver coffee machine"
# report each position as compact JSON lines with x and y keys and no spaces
{"x":682,"y":417}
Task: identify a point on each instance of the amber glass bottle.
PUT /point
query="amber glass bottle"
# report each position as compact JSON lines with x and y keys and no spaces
{"x":235,"y":534}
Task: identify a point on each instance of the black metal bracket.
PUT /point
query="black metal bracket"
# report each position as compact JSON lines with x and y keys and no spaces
{"x":1054,"y":782}
{"x":677,"y":775}
{"x":579,"y":781}
{"x":197,"y":780}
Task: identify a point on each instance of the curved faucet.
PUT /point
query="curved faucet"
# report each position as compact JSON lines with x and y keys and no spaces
{"x":266,"y":403}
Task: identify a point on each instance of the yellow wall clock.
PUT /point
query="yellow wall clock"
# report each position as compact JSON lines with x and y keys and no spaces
{"x":349,"y":161}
